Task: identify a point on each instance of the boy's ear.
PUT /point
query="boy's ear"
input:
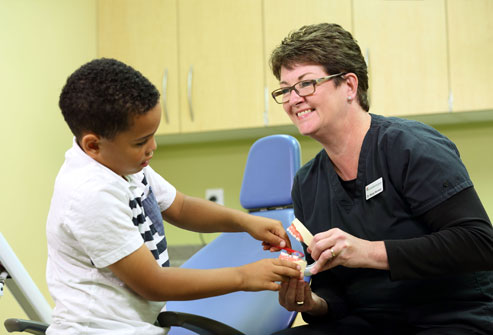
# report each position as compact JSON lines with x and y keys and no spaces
{"x":91,"y":144}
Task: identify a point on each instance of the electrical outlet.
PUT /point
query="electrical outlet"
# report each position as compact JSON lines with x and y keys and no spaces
{"x":215,"y":195}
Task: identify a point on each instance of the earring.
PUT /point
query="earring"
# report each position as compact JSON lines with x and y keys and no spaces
{"x":349,"y":98}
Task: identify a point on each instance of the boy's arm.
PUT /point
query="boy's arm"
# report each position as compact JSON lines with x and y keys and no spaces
{"x":208,"y":217}
{"x":144,"y":276}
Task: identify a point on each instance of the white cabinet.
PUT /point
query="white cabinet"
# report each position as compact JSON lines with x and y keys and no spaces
{"x":220,"y":64}
{"x":470,"y":34}
{"x":145,"y":37}
{"x":204,"y":56}
{"x":210,"y":59}
{"x":405,"y":44}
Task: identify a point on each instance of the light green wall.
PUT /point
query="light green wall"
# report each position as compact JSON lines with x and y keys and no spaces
{"x":41,"y":43}
{"x":194,"y":167}
{"x":475,"y":144}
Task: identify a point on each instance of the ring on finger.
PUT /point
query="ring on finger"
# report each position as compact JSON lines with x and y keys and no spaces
{"x":332,"y":252}
{"x":299,"y":303}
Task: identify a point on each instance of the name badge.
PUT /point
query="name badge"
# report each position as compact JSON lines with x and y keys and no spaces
{"x":374,"y":188}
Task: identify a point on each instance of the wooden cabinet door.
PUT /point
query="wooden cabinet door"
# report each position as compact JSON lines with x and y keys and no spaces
{"x":406,"y":49}
{"x":144,"y":35}
{"x":221,"y":72}
{"x":283,"y":16}
{"x":470,"y":33}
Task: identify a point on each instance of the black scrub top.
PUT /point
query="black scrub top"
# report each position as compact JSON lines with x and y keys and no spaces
{"x":408,"y":168}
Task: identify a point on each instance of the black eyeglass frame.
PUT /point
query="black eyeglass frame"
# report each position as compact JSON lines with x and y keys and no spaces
{"x":313,"y":82}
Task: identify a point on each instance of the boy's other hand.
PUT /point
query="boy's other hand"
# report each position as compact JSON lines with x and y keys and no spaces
{"x":269,"y":231}
{"x":267,"y":274}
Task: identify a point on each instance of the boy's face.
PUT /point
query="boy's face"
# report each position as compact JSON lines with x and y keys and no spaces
{"x":130,"y":151}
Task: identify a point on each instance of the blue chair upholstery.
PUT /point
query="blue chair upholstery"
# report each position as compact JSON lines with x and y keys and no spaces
{"x":266,"y":191}
{"x":270,"y":169}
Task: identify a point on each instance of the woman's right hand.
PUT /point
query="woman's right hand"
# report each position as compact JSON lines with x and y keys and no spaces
{"x":267,"y":273}
{"x":296,"y":295}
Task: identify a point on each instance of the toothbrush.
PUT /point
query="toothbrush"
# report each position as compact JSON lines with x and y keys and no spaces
{"x":308,"y":270}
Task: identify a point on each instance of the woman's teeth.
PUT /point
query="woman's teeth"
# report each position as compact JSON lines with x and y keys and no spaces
{"x":304,"y":112}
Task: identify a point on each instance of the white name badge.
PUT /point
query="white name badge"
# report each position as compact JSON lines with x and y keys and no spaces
{"x":374,"y":188}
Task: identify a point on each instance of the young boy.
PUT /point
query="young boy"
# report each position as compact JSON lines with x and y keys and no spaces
{"x":108,"y":269}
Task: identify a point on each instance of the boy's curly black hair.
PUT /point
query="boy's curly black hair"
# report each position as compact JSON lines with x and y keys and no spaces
{"x":103,"y":97}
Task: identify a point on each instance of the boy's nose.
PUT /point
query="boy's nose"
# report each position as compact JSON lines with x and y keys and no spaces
{"x":153,"y":146}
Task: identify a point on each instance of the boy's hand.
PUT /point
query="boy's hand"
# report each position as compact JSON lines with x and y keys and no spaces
{"x":269,"y":231}
{"x":266,"y":273}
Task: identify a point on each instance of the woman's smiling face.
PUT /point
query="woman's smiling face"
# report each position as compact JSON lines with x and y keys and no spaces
{"x":314,"y":112}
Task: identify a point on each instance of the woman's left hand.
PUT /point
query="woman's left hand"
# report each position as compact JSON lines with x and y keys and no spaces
{"x":335,"y":247}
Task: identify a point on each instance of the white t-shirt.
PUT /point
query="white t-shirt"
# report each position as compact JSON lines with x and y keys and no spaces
{"x":96,"y":218}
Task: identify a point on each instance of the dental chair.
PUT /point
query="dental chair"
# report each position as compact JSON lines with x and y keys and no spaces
{"x":266,"y":191}
{"x":17,"y":279}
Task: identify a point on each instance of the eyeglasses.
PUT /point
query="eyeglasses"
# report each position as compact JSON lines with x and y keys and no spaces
{"x":302,"y":88}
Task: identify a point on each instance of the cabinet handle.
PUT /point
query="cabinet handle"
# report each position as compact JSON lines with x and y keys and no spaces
{"x":266,"y":105}
{"x":189,"y":91}
{"x":165,"y":95}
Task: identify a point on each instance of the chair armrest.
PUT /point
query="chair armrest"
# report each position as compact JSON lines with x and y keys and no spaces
{"x":29,"y":326}
{"x":196,"y":323}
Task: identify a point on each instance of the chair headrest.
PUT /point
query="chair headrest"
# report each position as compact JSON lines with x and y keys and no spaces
{"x":271,"y":166}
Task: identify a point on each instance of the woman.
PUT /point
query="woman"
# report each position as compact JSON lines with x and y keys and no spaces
{"x":402,"y":242}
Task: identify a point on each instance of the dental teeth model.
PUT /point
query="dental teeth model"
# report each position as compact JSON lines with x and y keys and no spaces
{"x":299,"y":231}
